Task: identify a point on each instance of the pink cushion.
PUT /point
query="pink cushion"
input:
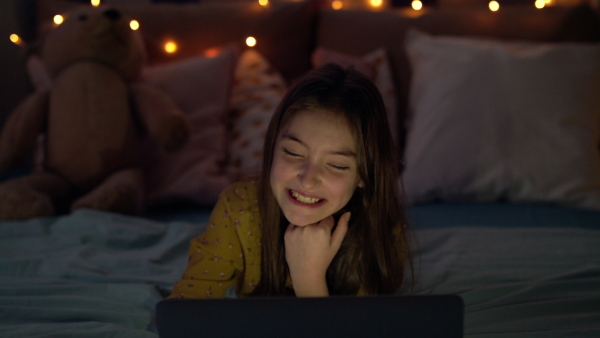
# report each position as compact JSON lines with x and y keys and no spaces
{"x":374,"y":65}
{"x":200,"y":86}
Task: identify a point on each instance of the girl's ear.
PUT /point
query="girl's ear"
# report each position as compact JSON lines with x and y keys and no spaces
{"x":361,"y":184}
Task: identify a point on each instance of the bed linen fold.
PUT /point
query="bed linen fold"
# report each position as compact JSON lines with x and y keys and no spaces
{"x":515,"y":282}
{"x":88,"y":274}
{"x":98,"y":274}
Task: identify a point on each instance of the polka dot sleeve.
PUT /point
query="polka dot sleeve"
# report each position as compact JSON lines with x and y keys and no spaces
{"x":222,"y":257}
{"x":215,"y":258}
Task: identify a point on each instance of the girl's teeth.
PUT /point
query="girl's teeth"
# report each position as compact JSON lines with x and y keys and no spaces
{"x":307,"y":200}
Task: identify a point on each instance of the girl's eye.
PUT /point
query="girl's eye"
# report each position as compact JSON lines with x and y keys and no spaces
{"x":289,"y":153}
{"x":340,"y":168}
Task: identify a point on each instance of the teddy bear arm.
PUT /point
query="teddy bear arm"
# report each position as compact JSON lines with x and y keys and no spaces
{"x":21,"y":130}
{"x":161,"y":116}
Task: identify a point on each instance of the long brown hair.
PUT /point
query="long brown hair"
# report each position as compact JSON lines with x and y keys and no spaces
{"x":374,"y":251}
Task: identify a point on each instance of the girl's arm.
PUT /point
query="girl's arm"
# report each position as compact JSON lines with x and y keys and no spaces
{"x":309,"y":250}
{"x":215,"y":257}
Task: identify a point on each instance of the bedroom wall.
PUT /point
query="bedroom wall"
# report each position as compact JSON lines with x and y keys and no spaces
{"x":14,"y":85}
{"x":17,"y":16}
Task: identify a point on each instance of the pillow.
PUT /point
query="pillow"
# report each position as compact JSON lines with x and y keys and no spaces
{"x":376,"y":67}
{"x":201,"y":88}
{"x":496,"y":120}
{"x":257,"y":90}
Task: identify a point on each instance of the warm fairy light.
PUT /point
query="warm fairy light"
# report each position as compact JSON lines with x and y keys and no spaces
{"x":58,"y":19}
{"x":417,"y":5}
{"x":95,"y":3}
{"x":263,"y":2}
{"x":134,"y":24}
{"x":16,"y":39}
{"x":539,"y":4}
{"x":494,"y":6}
{"x":250,"y":41}
{"x":376,"y":3}
{"x":212,"y":52}
{"x":170,"y":47}
{"x":337,"y":4}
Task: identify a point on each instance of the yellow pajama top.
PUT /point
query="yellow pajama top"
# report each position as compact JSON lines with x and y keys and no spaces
{"x":228,"y":253}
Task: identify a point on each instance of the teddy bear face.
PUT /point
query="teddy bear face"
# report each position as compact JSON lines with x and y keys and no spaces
{"x":95,"y":34}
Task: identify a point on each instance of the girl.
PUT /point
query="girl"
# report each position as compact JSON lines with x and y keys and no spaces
{"x":324,"y":218}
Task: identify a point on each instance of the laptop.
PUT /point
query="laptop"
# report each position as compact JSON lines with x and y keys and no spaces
{"x":370,"y":316}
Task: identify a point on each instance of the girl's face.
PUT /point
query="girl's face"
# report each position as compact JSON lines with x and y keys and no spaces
{"x":314,"y":171}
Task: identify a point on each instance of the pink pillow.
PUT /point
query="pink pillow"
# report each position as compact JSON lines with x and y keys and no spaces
{"x":375,"y":65}
{"x":200,"y":87}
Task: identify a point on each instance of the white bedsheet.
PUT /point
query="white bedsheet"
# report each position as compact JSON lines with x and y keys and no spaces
{"x":517,"y":282}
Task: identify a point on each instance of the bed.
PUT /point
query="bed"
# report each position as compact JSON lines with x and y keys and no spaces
{"x":524,"y":257}
{"x":521,"y":270}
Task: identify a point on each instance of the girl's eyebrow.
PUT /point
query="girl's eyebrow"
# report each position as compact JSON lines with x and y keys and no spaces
{"x":347,"y":153}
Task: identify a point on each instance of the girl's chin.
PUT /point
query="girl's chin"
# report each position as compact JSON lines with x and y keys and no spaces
{"x":303,"y":221}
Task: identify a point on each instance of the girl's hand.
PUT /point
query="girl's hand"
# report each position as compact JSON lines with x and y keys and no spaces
{"x":309,"y":250}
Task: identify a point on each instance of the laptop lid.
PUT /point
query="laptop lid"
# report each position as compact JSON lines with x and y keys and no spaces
{"x":372,"y":316}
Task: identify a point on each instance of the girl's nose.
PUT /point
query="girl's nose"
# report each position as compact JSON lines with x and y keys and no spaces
{"x":309,"y":176}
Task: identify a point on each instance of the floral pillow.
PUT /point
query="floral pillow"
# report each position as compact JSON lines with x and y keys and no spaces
{"x":257,"y":90}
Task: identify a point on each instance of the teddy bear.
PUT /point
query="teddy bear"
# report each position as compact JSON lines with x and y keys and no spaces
{"x":95,"y":118}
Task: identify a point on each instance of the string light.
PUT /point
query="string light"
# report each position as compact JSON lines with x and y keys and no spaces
{"x":250,"y":41}
{"x":263,"y":2}
{"x":58,"y":19}
{"x":337,"y":4}
{"x":212,"y":52}
{"x":376,"y":3}
{"x":134,"y":24}
{"x":16,"y":39}
{"x":416,"y":5}
{"x":539,"y":4}
{"x":170,"y":47}
{"x":494,"y":6}
{"x":95,"y":3}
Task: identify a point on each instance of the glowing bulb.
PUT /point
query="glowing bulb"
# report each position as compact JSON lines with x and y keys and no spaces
{"x":16,"y":39}
{"x":494,"y":6}
{"x":134,"y":24}
{"x":170,"y":47}
{"x":263,"y":2}
{"x":337,"y":4}
{"x":417,"y":5}
{"x":95,"y":3}
{"x":212,"y":52}
{"x":250,"y":41}
{"x":376,"y":3}
{"x":58,"y":19}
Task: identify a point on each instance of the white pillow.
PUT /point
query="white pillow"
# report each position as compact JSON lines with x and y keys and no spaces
{"x":496,"y":120}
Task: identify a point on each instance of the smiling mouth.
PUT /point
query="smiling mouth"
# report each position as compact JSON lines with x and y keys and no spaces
{"x":303,"y":199}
